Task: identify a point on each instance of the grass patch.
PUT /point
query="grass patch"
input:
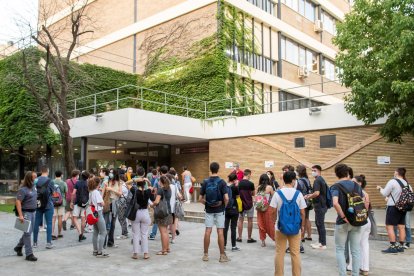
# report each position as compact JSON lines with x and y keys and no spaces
{"x":8,"y":208}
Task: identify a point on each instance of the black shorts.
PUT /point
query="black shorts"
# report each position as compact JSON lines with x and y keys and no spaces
{"x":394,"y":216}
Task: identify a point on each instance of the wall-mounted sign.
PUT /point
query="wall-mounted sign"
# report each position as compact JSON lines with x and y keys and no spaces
{"x":177,"y":151}
{"x":269,"y":164}
{"x":383,"y":160}
{"x":194,"y":150}
{"x":228,"y":165}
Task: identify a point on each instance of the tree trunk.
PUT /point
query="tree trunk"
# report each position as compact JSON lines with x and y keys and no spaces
{"x":67,"y":142}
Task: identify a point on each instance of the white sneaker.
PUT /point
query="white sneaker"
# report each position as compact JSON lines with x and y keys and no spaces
{"x":49,"y":246}
{"x":313,"y":245}
{"x":122,"y":237}
{"x":42,"y":229}
{"x":187,"y":202}
{"x":320,"y":247}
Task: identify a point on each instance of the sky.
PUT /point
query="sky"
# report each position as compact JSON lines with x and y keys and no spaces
{"x":12,"y":12}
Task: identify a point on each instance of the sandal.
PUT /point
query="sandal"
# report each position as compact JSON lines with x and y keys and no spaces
{"x":168,"y":250}
{"x":134,"y":256}
{"x":146,"y":257}
{"x":162,"y":253}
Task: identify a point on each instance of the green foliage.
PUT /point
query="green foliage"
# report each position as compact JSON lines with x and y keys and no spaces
{"x":8,"y":208}
{"x":376,"y":41}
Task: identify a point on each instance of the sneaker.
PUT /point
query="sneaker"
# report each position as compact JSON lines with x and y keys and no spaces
{"x":31,"y":258}
{"x":177,"y":232}
{"x":319,"y":246}
{"x":102,"y":255}
{"x":287,"y":250}
{"x":315,"y":245}
{"x":364,"y":273}
{"x":54,"y":238}
{"x":122,"y":237}
{"x":72,"y":227}
{"x":308,"y":239}
{"x":95,"y":253}
{"x":205,"y":258}
{"x":302,"y":250}
{"x":64,"y":225}
{"x":18,"y":250}
{"x":224,"y":259}
{"x":113,"y":245}
{"x":34,"y":245}
{"x":151,"y":238}
{"x":81,"y":237}
{"x":407,"y":245}
{"x":42,"y":229}
{"x":235,"y":249}
{"x":88,"y":230}
{"x":400,"y":249}
{"x":390,"y":250}
{"x":251,"y":241}
{"x":49,"y":245}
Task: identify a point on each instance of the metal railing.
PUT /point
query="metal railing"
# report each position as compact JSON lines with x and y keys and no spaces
{"x":131,"y":96}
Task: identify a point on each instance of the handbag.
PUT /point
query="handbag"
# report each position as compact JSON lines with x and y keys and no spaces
{"x":91,"y":214}
{"x":107,"y":202}
{"x":191,"y":191}
{"x":132,"y":207}
{"x":179,"y":211}
{"x":193,"y":179}
{"x":161,"y":210}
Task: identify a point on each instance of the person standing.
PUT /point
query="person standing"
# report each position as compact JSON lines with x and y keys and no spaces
{"x":121,"y":206}
{"x":294,"y":215}
{"x":232,"y":213}
{"x":188,"y":183}
{"x":70,"y":183}
{"x":99,"y":229}
{"x":265,"y":214}
{"x":247,"y":192}
{"x":44,"y":187}
{"x":156,"y":186}
{"x":303,"y":184}
{"x":26,"y":203}
{"x":238,"y":172}
{"x":213,"y":195}
{"x":142,"y":220}
{"x":320,"y":188}
{"x":59,"y":210}
{"x":394,"y":217}
{"x":164,"y":193}
{"x":343,"y":229}
{"x":80,"y":198}
{"x":115,"y":191}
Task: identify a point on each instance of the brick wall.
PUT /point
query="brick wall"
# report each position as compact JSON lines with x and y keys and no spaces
{"x":251,"y":154}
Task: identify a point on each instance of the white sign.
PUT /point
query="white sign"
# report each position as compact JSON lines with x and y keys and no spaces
{"x":228,"y":165}
{"x":177,"y":151}
{"x":269,"y":164}
{"x":383,"y":160}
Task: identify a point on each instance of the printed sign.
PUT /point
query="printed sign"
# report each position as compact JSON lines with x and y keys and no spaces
{"x":228,"y":165}
{"x":383,"y":160}
{"x":269,"y":164}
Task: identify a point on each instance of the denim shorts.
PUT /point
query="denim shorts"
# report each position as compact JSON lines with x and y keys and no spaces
{"x":216,"y":219}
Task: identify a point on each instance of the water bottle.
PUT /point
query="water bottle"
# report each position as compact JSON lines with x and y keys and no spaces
{"x":351,"y":210}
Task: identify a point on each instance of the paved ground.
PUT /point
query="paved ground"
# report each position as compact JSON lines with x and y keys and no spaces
{"x":73,"y":258}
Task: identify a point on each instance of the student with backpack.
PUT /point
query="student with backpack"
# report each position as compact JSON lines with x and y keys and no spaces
{"x":399,"y":201}
{"x":290,"y":208}
{"x":320,"y":205}
{"x":265,"y":213}
{"x":348,"y":201}
{"x":232,"y":213}
{"x":80,"y":198}
{"x":70,"y":183}
{"x":44,"y":187}
{"x":59,"y":202}
{"x":214,"y":196}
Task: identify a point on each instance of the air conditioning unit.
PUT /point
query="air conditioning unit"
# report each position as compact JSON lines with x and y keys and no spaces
{"x":303,"y":71}
{"x":318,"y":26}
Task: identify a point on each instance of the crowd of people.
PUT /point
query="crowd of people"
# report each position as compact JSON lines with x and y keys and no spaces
{"x":282,"y":204}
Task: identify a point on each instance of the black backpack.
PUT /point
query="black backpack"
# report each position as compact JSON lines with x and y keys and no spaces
{"x":43,"y":195}
{"x":82,"y":195}
{"x":231,"y":207}
{"x":355,"y":211}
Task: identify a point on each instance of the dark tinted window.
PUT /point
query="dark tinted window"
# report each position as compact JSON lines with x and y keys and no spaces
{"x":299,"y":142}
{"x":328,"y":141}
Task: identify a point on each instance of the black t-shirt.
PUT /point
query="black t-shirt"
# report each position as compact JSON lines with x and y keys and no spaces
{"x":143,"y":197}
{"x":246,"y":188}
{"x":320,"y":185}
{"x":349,"y":186}
{"x":81,"y":187}
{"x":167,"y":194}
{"x":223,"y":190}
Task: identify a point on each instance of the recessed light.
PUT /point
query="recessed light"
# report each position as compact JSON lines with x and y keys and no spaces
{"x":96,"y":147}
{"x":76,"y":149}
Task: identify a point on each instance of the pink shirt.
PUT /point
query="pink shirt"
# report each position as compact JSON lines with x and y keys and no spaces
{"x":71,"y":185}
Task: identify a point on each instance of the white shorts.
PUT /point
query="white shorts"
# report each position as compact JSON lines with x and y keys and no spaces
{"x":248,"y":213}
{"x":215,"y":219}
{"x":59,"y":211}
{"x":78,"y":211}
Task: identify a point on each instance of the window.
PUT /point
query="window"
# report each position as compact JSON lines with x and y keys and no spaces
{"x":288,"y":101}
{"x":328,"y":141}
{"x":329,"y":69}
{"x":304,"y":7}
{"x":299,"y":142}
{"x":266,"y":5}
{"x":329,"y":23}
{"x":298,"y":55}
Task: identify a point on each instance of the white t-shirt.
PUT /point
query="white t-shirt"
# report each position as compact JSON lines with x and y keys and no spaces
{"x":95,"y":198}
{"x":393,"y":190}
{"x":172,"y":199}
{"x":277,"y":201}
{"x":124,"y":190}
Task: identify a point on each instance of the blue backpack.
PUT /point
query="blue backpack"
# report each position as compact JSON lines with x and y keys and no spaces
{"x":329,"y":202}
{"x":289,"y":215}
{"x":231,"y":208}
{"x":214,"y":198}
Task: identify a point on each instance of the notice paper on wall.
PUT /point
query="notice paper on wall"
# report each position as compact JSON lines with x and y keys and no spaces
{"x":269,"y":164}
{"x":383,"y":160}
{"x":228,"y":165}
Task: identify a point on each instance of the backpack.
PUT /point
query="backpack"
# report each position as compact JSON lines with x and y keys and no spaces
{"x":406,"y":201}
{"x":57,"y":196}
{"x":43,"y":195}
{"x":329,"y":202}
{"x":82,"y":195}
{"x":355,"y":212}
{"x":289,"y":222}
{"x":231,"y":207}
{"x":305,"y":188}
{"x":214,"y":198}
{"x":261,"y":203}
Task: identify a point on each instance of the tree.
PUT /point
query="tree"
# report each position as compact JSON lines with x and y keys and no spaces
{"x":57,"y":69}
{"x":376,"y":42}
